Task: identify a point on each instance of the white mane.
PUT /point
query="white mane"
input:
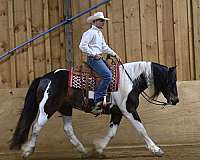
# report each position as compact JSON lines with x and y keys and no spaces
{"x":135,"y":69}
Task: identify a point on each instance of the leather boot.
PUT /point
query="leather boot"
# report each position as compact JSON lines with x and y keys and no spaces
{"x":97,"y":108}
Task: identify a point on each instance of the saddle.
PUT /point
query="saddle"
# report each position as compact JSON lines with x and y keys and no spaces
{"x":84,"y":77}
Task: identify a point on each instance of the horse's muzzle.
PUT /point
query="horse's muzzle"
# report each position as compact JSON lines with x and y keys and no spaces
{"x":173,"y":100}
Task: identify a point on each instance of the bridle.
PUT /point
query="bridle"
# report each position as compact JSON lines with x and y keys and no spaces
{"x":145,"y":95}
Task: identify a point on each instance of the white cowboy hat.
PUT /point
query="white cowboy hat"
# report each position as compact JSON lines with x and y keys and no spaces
{"x":95,"y":16}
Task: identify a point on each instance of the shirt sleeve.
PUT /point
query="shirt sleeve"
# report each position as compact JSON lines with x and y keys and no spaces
{"x":107,"y":49}
{"x":84,"y":44}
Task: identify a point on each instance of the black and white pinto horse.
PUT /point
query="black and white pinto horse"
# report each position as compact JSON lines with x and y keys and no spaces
{"x":50,"y":93}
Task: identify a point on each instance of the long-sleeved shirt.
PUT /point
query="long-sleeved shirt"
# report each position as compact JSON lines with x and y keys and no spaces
{"x":93,"y":42}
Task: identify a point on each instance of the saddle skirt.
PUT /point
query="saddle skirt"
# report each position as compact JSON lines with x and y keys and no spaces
{"x":84,"y":77}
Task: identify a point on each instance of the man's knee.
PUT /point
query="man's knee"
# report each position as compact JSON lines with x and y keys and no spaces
{"x":108,"y":76}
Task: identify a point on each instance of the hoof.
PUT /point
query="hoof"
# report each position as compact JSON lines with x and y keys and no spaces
{"x":94,"y":154}
{"x":97,"y":146}
{"x":155,"y":150}
{"x":26,"y":152}
{"x":159,"y":153}
{"x":25,"y":155}
{"x":85,"y":156}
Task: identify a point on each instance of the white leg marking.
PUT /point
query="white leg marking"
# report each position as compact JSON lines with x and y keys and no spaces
{"x":28,"y":148}
{"x":142,"y":131}
{"x":67,"y":120}
{"x":101,"y":144}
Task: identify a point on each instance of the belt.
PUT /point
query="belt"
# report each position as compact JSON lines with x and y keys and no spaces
{"x":91,"y":56}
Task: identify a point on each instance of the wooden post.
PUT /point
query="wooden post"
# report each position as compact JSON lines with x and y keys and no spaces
{"x":181,"y":39}
{"x":29,"y":35}
{"x":149,"y":30}
{"x":116,"y":28}
{"x":132,"y":30}
{"x":196,"y":28}
{"x":12,"y":42}
{"x":68,"y":34}
{"x":62,"y":33}
{"x":166,"y":32}
{"x":46,"y":37}
{"x":191,"y":44}
{"x":20,"y":37}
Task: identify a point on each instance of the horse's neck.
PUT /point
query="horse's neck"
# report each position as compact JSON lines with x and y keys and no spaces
{"x":141,"y":75}
{"x":140,"y":84}
{"x":135,"y":69}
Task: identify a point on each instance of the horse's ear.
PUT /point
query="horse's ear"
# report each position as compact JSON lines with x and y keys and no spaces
{"x":171,"y":69}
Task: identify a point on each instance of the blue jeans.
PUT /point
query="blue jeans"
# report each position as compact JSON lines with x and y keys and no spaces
{"x":101,"y":69}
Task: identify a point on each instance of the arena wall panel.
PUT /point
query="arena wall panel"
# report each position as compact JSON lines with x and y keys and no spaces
{"x":166,"y":32}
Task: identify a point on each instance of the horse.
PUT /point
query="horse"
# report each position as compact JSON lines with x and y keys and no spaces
{"x":51,"y":93}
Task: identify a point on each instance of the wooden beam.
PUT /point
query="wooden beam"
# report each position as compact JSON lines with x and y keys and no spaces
{"x":62,"y":34}
{"x":29,"y":35}
{"x":12,"y":42}
{"x":132,"y":30}
{"x":68,"y":34}
{"x":20,"y":37}
{"x":116,"y":28}
{"x":46,"y":37}
{"x":191,"y":44}
{"x":166,"y":32}
{"x":196,"y":28}
{"x":181,"y":39}
{"x":149,"y":30}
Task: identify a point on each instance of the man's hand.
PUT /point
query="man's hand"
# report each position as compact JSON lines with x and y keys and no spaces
{"x":118,"y":58}
{"x":98,"y":56}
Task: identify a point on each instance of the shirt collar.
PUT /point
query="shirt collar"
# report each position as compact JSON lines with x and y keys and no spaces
{"x":95,"y":28}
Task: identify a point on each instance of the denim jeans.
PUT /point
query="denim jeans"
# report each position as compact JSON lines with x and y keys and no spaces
{"x":101,"y":69}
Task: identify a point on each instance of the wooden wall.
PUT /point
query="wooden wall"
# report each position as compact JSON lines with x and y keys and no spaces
{"x":164,"y":31}
{"x":19,"y":21}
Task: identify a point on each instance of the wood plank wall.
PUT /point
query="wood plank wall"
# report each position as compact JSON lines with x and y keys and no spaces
{"x":164,"y":31}
{"x":21,"y":20}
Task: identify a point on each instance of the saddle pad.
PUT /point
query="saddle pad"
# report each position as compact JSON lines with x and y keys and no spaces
{"x":82,"y":80}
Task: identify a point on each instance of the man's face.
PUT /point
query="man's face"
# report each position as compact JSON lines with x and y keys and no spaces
{"x":99,"y":23}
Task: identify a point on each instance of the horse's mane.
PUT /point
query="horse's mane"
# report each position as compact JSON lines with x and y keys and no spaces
{"x":138,"y":69}
{"x":154,"y":73}
{"x":159,"y":77}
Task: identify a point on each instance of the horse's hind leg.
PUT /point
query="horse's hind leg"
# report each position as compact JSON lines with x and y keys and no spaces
{"x":67,"y":120}
{"x":116,"y":117}
{"x":29,"y":147}
{"x":47,"y":107}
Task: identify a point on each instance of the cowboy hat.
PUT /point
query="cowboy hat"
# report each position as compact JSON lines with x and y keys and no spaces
{"x":95,"y":16}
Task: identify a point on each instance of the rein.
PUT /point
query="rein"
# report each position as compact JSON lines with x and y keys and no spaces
{"x":144,"y":95}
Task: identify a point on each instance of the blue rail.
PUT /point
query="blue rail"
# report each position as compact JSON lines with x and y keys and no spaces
{"x":53,"y":28}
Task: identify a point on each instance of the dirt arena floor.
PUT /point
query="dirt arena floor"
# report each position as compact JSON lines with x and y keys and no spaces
{"x":185,"y":152}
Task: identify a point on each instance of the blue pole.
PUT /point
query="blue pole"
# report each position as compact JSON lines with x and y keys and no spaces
{"x":53,"y":28}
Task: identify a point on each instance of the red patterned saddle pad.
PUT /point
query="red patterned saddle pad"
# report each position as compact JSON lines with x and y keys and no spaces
{"x":90,"y":80}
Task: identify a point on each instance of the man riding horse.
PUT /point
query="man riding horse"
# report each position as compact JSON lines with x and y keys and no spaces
{"x":93,"y":44}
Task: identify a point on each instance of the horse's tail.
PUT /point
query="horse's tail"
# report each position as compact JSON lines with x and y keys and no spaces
{"x":28,"y":115}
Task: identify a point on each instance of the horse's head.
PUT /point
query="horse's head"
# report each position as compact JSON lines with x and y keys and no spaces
{"x":169,"y":89}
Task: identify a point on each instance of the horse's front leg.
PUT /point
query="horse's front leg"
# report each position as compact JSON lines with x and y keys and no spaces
{"x":116,"y":116}
{"x":67,"y":120}
{"x":135,"y":120}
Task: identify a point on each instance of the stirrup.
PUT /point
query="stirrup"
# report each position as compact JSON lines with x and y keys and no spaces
{"x":97,"y":109}
{"x":105,"y":103}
